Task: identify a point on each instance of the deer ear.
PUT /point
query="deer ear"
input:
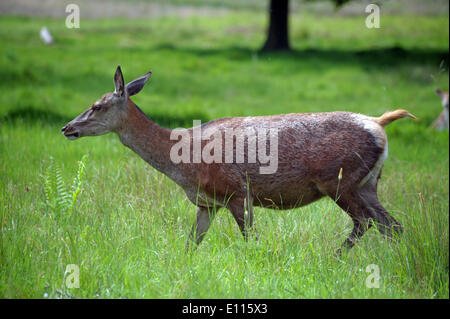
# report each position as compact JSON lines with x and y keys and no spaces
{"x":118,"y":82}
{"x":134,"y":87}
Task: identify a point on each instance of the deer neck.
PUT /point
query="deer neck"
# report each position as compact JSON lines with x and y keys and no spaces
{"x":149,"y":140}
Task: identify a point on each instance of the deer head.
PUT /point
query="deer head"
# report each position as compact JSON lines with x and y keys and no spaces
{"x":444,"y":97}
{"x":441,"y":123}
{"x":107,"y":113}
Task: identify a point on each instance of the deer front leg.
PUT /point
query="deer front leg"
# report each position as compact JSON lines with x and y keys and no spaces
{"x":204,"y":217}
{"x":242,"y":212}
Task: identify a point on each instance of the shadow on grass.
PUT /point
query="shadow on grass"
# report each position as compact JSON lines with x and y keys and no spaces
{"x":370,"y":58}
{"x":30,"y":115}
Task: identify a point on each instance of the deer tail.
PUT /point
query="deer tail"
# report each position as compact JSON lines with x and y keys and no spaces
{"x":389,"y":117}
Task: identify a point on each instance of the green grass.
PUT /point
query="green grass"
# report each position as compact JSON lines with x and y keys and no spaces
{"x":128,"y":229}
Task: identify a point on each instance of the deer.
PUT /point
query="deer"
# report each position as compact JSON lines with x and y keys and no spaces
{"x":335,"y":154}
{"x":441,"y":122}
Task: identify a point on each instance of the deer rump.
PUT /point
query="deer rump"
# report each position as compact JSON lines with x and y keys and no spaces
{"x":313,"y":148}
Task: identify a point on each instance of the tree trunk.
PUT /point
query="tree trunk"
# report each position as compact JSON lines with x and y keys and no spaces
{"x":277,"y":37}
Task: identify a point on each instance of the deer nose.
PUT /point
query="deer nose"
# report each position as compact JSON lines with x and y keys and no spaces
{"x":64,"y":128}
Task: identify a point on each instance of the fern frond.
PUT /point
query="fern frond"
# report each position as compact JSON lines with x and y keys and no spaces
{"x":57,"y":196}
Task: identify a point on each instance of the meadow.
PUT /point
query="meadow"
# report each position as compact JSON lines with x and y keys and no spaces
{"x":128,"y":228}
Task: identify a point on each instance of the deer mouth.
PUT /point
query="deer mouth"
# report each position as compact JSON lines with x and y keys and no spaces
{"x":72,"y":136}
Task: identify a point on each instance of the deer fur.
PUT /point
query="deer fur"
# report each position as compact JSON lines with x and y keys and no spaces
{"x":441,"y":122}
{"x":336,"y":154}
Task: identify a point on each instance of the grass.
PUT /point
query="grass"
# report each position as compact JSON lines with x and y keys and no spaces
{"x":128,"y":228}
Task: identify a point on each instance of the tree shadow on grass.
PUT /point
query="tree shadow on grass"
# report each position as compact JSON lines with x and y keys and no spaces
{"x":30,"y":115}
{"x":376,"y":58}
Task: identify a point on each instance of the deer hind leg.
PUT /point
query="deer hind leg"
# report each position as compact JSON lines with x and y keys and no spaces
{"x":386,"y":224}
{"x":365,"y":209}
{"x":360,"y":214}
{"x":204,"y":217}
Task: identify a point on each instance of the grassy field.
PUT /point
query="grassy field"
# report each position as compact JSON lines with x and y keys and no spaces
{"x":128,"y":229}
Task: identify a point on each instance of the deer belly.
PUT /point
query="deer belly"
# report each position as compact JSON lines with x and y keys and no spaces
{"x":291,"y":196}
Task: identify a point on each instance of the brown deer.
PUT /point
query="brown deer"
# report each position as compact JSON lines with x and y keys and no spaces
{"x":441,"y":123}
{"x":337,"y":154}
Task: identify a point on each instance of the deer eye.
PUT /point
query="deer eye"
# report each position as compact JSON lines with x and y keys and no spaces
{"x":96,"y":107}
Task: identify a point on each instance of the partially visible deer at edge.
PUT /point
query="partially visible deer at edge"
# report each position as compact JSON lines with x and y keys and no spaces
{"x":441,"y":123}
{"x":322,"y":145}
